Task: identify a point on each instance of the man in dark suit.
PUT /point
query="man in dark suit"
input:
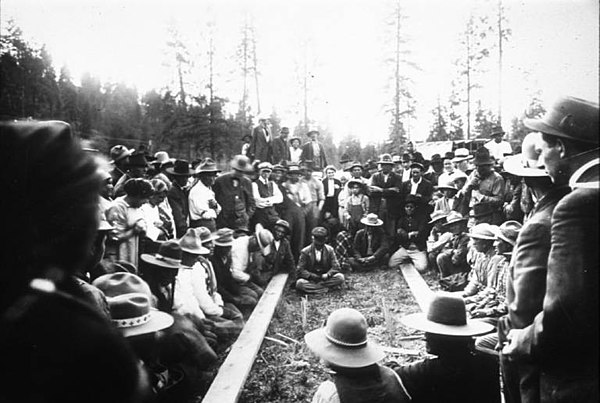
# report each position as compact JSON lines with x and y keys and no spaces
{"x":260,"y":145}
{"x":412,"y":232}
{"x":314,"y":151}
{"x":420,"y":187}
{"x":331,"y":188}
{"x":281,"y":149}
{"x":280,"y":259}
{"x":563,"y":339}
{"x":384,"y":194}
{"x":233,"y":192}
{"x":318,"y":268}
{"x":178,"y":195}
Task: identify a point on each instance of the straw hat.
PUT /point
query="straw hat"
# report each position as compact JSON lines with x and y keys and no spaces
{"x":264,"y":238}
{"x":461,"y":154}
{"x":483,"y":231}
{"x":386,"y":159}
{"x":437,"y":216}
{"x":528,"y":163}
{"x":508,"y":231}
{"x":446,"y":316}
{"x":343,"y":341}
{"x":371,"y":220}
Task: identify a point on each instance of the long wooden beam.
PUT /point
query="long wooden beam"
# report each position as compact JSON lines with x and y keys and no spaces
{"x":417,"y":285}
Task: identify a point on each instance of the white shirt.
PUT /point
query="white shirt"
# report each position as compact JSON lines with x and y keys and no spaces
{"x":406,"y":175}
{"x":152,"y":217}
{"x":414,"y":185}
{"x":239,"y":259}
{"x":330,"y":188}
{"x":198,"y":199}
{"x":497,"y":150}
{"x":295,"y":155}
{"x":318,"y":254}
{"x":262,"y":202}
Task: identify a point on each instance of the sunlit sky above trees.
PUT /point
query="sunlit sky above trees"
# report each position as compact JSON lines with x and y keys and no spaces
{"x":553,"y":48}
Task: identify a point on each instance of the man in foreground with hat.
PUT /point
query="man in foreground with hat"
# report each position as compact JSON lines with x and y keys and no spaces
{"x":345,"y":349}
{"x":314,"y":151}
{"x":246,"y":262}
{"x":233,"y":191}
{"x":562,"y":342}
{"x":385,"y":198}
{"x":486,"y":187}
{"x":457,"y":374}
{"x":370,"y":245}
{"x":204,"y":208}
{"x":436,"y":168}
{"x":260,"y":145}
{"x":177,"y":195}
{"x":318,"y":268}
{"x":499,"y":149}
{"x":281,"y":149}
{"x":438,"y":238}
{"x":411,"y":236}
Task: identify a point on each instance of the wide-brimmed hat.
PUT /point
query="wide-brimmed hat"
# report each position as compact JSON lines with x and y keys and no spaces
{"x":343,"y":341}
{"x":293,"y":169}
{"x":129,"y":301}
{"x":137,"y":160}
{"x":284,"y":130}
{"x":528,"y":163}
{"x":454,"y":217}
{"x":482,"y":210}
{"x":292,"y":138}
{"x":205,"y":235}
{"x":310,"y":132}
{"x":241,"y":163}
{"x":396,"y":159}
{"x":207,"y":166}
{"x":483,"y":231}
{"x":190,"y":243}
{"x":458,"y":175}
{"x":283,"y":224}
{"x":446,"y":316}
{"x":118,"y":152}
{"x":508,"y":231}
{"x":180,"y":168}
{"x":483,"y":157}
{"x":161,"y":156}
{"x":461,"y":154}
{"x":570,"y":118}
{"x":447,"y":184}
{"x":385,"y":159}
{"x":265,"y":166}
{"x":436,"y":158}
{"x":353,"y":182}
{"x":497,"y":131}
{"x":353,"y":165}
{"x":371,"y":220}
{"x":168,"y":256}
{"x":264,"y":238}
{"x":223,"y":237}
{"x":437,"y":216}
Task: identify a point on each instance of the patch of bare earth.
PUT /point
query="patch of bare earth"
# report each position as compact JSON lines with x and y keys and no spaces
{"x":286,"y":371}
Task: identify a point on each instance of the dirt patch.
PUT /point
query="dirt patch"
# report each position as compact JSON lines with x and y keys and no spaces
{"x":286,"y":371}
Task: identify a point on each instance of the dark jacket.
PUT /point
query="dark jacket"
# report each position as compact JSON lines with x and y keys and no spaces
{"x":281,"y":150}
{"x":331,"y":204}
{"x":237,"y":203}
{"x":373,"y":384}
{"x":310,"y":269}
{"x":393,"y":198}
{"x":416,"y":222}
{"x":260,"y":147}
{"x":280,"y":260}
{"x":379,"y":243}
{"x":178,"y":199}
{"x":425,"y":189}
{"x":308,"y":155}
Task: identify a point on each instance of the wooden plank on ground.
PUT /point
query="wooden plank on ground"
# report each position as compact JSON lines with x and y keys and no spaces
{"x":228,"y":384}
{"x":417,"y":285}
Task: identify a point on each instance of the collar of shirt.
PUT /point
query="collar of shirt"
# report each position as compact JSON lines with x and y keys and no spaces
{"x":414,"y":185}
{"x":276,"y":243}
{"x":263,"y":180}
{"x":318,"y":254}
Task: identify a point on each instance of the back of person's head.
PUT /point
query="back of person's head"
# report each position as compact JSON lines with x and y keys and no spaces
{"x":49,"y":204}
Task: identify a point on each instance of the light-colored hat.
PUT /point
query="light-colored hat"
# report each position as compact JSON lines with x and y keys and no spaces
{"x":447,"y":184}
{"x":190,"y":243}
{"x":509,"y":231}
{"x":454,"y":217}
{"x":483,"y":231}
{"x":161,"y":156}
{"x":265,"y":166}
{"x":242,"y":163}
{"x":371,"y":220}
{"x":223,"y":237}
{"x":458,"y":174}
{"x":528,"y":163}
{"x":129,"y":301}
{"x":207,"y":166}
{"x":264,"y":238}
{"x":343,"y":341}
{"x":461,"y":154}
{"x":283,"y":224}
{"x":118,"y":152}
{"x":446,"y":316}
{"x":386,"y":159}
{"x":328,"y":167}
{"x":438,"y":215}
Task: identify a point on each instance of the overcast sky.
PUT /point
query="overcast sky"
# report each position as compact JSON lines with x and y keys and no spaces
{"x":554,"y":48}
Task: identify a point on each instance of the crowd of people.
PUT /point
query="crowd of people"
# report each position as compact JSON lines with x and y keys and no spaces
{"x":177,"y":254}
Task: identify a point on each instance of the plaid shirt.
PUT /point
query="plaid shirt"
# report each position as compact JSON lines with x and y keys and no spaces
{"x":343,"y":248}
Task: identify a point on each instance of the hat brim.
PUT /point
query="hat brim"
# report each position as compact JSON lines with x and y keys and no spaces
{"x":484,"y":237}
{"x":150,"y":259}
{"x":501,"y":236}
{"x":218,"y":243}
{"x":171,"y":171}
{"x":540,"y":126}
{"x":370,"y":224}
{"x":446,"y":188}
{"x":513,"y":165}
{"x":158,"y":321}
{"x":200,"y":251}
{"x":126,"y":154}
{"x":460,"y":220}
{"x":266,"y":249}
{"x":419,"y":321}
{"x":207,"y":171}
{"x":437,"y":219}
{"x":343,"y":357}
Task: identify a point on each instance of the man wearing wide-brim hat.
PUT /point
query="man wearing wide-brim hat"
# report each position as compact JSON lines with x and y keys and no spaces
{"x":203,"y":205}
{"x":119,"y":156}
{"x":246,"y":259}
{"x":233,"y":192}
{"x":448,"y":201}
{"x":439,"y":237}
{"x":483,"y":236}
{"x":453,"y":258}
{"x":456,"y":374}
{"x":384,"y":191}
{"x":370,"y":245}
{"x":135,"y":166}
{"x":562,"y":341}
{"x":499,"y":149}
{"x":314,"y":151}
{"x":177,"y":195}
{"x":343,"y":345}
{"x":485,"y":186}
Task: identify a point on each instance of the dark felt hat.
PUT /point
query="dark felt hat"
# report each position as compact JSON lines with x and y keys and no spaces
{"x":497,"y":131}
{"x":180,"y":168}
{"x":483,"y":157}
{"x":168,"y":256}
{"x":137,"y":160}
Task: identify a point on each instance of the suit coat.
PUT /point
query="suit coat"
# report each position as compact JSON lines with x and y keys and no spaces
{"x":308,"y":155}
{"x":379,"y":243}
{"x":425,"y":189}
{"x":310,"y":269}
{"x":331,"y":204}
{"x":237,"y":203}
{"x":280,"y":150}
{"x":393,"y":199}
{"x":417,"y":222}
{"x":260,"y":145}
{"x":178,"y":200}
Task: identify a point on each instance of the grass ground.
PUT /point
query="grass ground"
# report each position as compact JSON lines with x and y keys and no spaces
{"x":286,"y":371}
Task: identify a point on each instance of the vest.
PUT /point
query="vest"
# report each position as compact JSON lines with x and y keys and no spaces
{"x":265,"y":190}
{"x":373,"y":384}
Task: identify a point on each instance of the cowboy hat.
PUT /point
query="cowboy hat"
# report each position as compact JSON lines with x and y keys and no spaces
{"x":161,"y":156}
{"x":207,"y":166}
{"x":483,"y":157}
{"x":508,"y":231}
{"x":129,"y":301}
{"x":180,"y":168}
{"x":205,"y":235}
{"x":343,"y":341}
{"x":446,"y":316}
{"x":497,"y":131}
{"x":353,"y":165}
{"x":223,"y":237}
{"x":447,"y":184}
{"x":241,"y":163}
{"x":437,"y":216}
{"x":371,"y":220}
{"x":570,"y":118}
{"x":168,"y":256}
{"x":385,"y":159}
{"x":454,"y":217}
{"x":461,"y":154}
{"x":118,"y":152}
{"x":483,"y":231}
{"x":528,"y":163}
{"x":190,"y":243}
{"x":264,"y":238}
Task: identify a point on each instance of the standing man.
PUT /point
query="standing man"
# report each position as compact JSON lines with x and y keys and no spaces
{"x":419,"y":187}
{"x":462,"y":156}
{"x":233,"y":192}
{"x":385,"y":198}
{"x":314,"y":151}
{"x":298,"y":194}
{"x":204,"y":208}
{"x":179,"y":174}
{"x":499,"y":149}
{"x":119,"y":156}
{"x":266,"y":195}
{"x":563,"y":339}
{"x":281,"y":150}
{"x":312,"y":210}
{"x":413,"y":154}
{"x":260,"y":145}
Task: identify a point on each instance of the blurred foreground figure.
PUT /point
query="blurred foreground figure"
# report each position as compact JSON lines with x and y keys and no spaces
{"x":54,"y":346}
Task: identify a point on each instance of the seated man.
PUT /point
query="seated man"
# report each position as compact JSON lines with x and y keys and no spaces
{"x":318,"y":268}
{"x":453,"y":257}
{"x":280,"y":258}
{"x":412,"y":231}
{"x":353,"y":358}
{"x":439,"y":237}
{"x":483,"y":236}
{"x":370,"y":245}
{"x":246,"y":262}
{"x":456,"y":374}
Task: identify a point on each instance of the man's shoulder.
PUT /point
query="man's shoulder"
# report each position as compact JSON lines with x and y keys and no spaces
{"x":306,"y":250}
